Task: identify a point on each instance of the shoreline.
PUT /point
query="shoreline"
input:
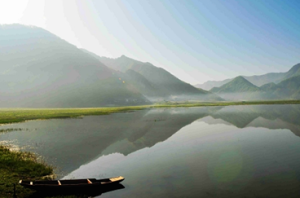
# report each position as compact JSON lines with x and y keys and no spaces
{"x":15,"y":115}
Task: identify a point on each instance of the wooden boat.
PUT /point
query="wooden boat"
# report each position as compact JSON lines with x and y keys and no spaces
{"x":71,"y":184}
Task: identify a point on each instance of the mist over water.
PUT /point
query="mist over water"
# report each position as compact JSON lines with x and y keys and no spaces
{"x":248,"y":96}
{"x":234,"y":151}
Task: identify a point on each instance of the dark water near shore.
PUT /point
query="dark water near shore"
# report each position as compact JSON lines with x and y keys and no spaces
{"x":234,"y":151}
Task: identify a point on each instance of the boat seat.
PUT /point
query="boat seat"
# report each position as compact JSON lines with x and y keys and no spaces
{"x":89,"y":181}
{"x":114,"y":179}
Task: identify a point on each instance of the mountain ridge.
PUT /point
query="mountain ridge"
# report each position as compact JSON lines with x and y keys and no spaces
{"x":238,"y":84}
{"x":241,"y":89}
{"x":168,"y":86}
{"x":257,"y":80}
{"x":38,"y":69}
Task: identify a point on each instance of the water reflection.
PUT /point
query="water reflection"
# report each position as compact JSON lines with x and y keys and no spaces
{"x":88,"y":193}
{"x":266,"y":116}
{"x":69,"y":143}
{"x":236,"y":151}
{"x":203,"y":160}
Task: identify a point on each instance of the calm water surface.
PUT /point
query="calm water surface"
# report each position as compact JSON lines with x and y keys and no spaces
{"x":235,"y":151}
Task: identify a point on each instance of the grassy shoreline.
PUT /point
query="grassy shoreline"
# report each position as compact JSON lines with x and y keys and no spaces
{"x":13,"y":115}
{"x":15,"y":165}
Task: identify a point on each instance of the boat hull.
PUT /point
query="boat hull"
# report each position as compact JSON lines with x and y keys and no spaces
{"x":74,"y":185}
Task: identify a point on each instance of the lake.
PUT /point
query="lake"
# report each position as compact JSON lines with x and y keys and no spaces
{"x":233,"y":151}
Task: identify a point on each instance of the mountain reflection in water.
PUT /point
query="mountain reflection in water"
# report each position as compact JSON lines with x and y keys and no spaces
{"x":229,"y":151}
{"x":69,"y":143}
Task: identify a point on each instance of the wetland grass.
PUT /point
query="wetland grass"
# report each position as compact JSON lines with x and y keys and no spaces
{"x":12,"y":115}
{"x":16,"y":165}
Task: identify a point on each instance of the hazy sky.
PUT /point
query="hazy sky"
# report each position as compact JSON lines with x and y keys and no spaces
{"x":194,"y":40}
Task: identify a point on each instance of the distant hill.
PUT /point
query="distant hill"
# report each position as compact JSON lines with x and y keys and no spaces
{"x":238,"y":84}
{"x":270,"y":87}
{"x":38,"y":69}
{"x":237,"y":89}
{"x":156,"y":83}
{"x":144,"y":86}
{"x":241,"y":89}
{"x":257,"y":80}
{"x":289,"y":88}
{"x":123,"y":63}
{"x":286,"y":89}
{"x":294,"y":71}
{"x":211,"y":84}
{"x":260,"y":80}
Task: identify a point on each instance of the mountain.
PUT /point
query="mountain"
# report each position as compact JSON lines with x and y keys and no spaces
{"x":237,"y":85}
{"x":270,"y":87}
{"x":294,"y":71}
{"x":241,"y":89}
{"x":257,"y":80}
{"x":211,"y":84}
{"x":156,"y":83}
{"x":238,"y":89}
{"x":38,"y":69}
{"x":260,"y":80}
{"x":124,"y":72}
{"x":143,"y":85}
{"x":289,"y":88}
{"x":123,"y":63}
